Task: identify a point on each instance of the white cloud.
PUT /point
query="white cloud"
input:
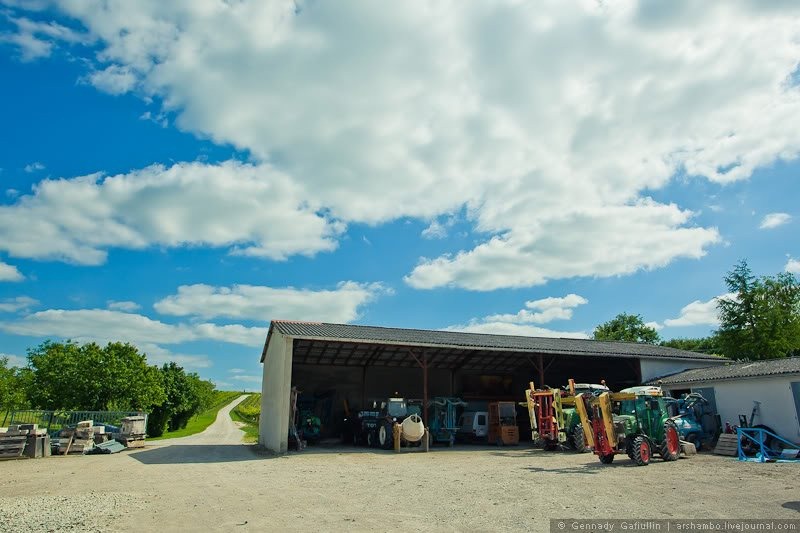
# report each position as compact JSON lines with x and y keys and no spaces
{"x":20,"y":303}
{"x":438,"y":230}
{"x":247,"y":379}
{"x":92,"y":324}
{"x":37,"y":40}
{"x":123,"y":306}
{"x":113,"y":79}
{"x":545,"y":310}
{"x":773,"y":220}
{"x":236,"y":370}
{"x":267,"y":303}
{"x":548,"y":122}
{"x":34,"y":167}
{"x":10,"y":273}
{"x":506,"y":328}
{"x":252,"y":210}
{"x":698,"y":313}
{"x":793,"y":266}
{"x":14,"y":360}
{"x":655,"y":325}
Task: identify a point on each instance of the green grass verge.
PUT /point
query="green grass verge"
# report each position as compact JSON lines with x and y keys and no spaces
{"x":200,"y":422}
{"x":248,"y":412}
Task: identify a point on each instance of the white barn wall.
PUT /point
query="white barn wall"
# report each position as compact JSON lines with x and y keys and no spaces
{"x":656,"y":368}
{"x":273,"y":428}
{"x":736,"y":396}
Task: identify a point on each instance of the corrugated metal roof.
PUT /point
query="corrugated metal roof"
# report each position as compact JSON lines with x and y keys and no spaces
{"x":752,"y":369}
{"x":478,"y":341}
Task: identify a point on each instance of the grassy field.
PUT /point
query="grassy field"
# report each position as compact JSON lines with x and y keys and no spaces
{"x":200,"y":422}
{"x":249,"y":412}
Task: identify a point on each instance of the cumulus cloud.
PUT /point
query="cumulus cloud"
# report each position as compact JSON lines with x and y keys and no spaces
{"x":793,"y":266}
{"x":34,"y":167}
{"x":92,"y":324}
{"x":507,"y":328}
{"x":10,"y":273}
{"x":265,"y":303}
{"x":773,"y":220}
{"x":542,"y":311}
{"x":535,"y":312}
{"x":699,"y":313}
{"x":123,"y":306}
{"x":251,"y":210}
{"x":548,"y":122}
{"x":20,"y":303}
{"x":36,"y":40}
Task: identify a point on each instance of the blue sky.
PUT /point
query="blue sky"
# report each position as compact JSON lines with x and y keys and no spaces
{"x":176,"y":176}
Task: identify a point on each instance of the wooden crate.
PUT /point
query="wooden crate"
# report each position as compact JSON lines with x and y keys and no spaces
{"x":728,"y":444}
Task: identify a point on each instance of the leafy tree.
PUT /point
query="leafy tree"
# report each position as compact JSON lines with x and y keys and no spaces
{"x":186,"y":395}
{"x":708,"y":345}
{"x":70,"y":376}
{"x":12,"y":386}
{"x":625,"y":327}
{"x":762,"y":319}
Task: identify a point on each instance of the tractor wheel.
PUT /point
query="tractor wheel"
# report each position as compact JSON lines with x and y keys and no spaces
{"x":641,"y":451}
{"x":385,"y":436}
{"x":579,"y":440}
{"x":371,"y":439}
{"x":671,"y":447}
{"x":607,"y":459}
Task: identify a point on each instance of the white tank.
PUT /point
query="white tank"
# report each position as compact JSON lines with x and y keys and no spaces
{"x":412,"y":428}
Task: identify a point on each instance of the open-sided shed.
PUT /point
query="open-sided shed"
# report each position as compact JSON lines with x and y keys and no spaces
{"x":358,"y":364}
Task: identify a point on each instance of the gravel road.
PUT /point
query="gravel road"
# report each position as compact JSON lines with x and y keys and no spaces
{"x":206,"y":482}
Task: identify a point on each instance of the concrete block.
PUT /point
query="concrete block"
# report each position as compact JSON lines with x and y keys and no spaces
{"x":688,"y":448}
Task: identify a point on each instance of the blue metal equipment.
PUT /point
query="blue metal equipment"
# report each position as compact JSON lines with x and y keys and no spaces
{"x":443,"y":419}
{"x":785,"y":451}
{"x":696,"y":421}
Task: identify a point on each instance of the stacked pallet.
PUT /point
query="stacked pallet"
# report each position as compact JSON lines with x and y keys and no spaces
{"x":133,"y":432}
{"x":12,"y":442}
{"x":77,"y":440}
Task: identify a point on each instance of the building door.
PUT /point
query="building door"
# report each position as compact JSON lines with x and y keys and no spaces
{"x":708,"y":394}
{"x":796,"y":393}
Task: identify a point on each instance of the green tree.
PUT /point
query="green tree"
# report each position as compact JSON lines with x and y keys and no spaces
{"x":12,"y":386}
{"x":71,"y":376}
{"x":625,"y":327}
{"x":186,"y":396}
{"x":762,"y":318}
{"x":708,"y":345}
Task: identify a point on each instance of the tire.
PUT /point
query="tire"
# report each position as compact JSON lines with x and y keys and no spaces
{"x":670,"y":449}
{"x":607,"y":459}
{"x":641,"y":451}
{"x":579,"y":440}
{"x":371,"y":439}
{"x":385,"y":436}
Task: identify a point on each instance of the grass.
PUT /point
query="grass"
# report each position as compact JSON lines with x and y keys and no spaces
{"x":200,"y":422}
{"x":248,"y":412}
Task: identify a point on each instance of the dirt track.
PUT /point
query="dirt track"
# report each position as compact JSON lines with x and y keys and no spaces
{"x":210,"y":482}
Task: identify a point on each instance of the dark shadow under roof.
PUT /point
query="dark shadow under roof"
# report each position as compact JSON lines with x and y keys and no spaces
{"x":372,"y":335}
{"x":752,"y":369}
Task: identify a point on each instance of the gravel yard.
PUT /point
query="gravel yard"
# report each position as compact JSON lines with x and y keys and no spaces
{"x":207,"y":483}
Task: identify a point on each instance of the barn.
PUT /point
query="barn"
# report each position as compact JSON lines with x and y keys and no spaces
{"x":349,"y":366}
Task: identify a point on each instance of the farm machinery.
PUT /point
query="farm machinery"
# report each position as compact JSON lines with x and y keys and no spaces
{"x":555,"y":423}
{"x":695,"y":419}
{"x":503,"y":428}
{"x":636,"y":424}
{"x":443,"y":420}
{"x":375,"y":427}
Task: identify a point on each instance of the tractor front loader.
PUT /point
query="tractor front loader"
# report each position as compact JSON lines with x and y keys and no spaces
{"x":546,"y":417}
{"x":635,"y":424}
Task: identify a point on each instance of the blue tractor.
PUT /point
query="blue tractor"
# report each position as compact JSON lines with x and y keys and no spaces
{"x":696,"y":421}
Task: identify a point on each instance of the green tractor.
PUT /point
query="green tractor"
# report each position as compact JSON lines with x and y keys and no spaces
{"x":637,"y":424}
